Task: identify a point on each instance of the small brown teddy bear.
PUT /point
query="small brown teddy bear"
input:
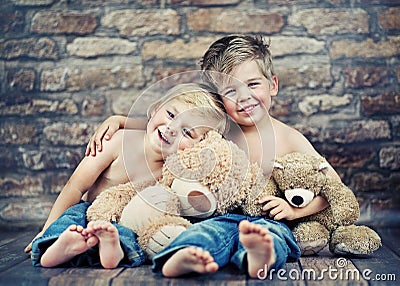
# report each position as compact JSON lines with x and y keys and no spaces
{"x":301,"y":177}
{"x":211,"y":178}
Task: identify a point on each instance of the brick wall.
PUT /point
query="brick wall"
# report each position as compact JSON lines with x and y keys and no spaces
{"x":67,"y":65}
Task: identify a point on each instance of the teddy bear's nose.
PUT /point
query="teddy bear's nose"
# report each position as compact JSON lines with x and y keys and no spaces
{"x":297,"y":200}
{"x":199,"y":201}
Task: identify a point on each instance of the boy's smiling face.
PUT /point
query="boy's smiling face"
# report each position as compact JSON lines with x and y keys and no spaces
{"x":176,"y":126}
{"x":247,"y":94}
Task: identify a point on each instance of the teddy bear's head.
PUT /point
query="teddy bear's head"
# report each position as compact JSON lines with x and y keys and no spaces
{"x":300,"y":176}
{"x":208,"y":177}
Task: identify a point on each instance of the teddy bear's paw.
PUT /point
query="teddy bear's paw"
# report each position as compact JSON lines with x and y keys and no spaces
{"x":311,"y":236}
{"x":312,"y":247}
{"x":354,"y":240}
{"x":162,"y":238}
{"x":343,"y":249}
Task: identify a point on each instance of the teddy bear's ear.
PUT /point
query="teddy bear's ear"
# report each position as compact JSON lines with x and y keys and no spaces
{"x":323,"y":167}
{"x":212,"y":134}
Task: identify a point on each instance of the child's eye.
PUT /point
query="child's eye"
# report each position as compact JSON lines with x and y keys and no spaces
{"x":170,"y":114}
{"x":187,"y":132}
{"x":253,"y":84}
{"x":229,"y":92}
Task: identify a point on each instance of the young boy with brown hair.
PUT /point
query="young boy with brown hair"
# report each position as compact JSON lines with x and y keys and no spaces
{"x":180,"y":119}
{"x":240,"y":69}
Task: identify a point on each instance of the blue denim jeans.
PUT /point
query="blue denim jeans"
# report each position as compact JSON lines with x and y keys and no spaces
{"x":220,"y":236}
{"x":77,"y":215}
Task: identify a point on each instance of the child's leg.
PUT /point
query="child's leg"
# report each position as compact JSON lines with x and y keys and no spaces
{"x":69,"y":244}
{"x":75,"y":215}
{"x":133,"y":253}
{"x":187,"y":260}
{"x":283,"y":246}
{"x":218,"y":236}
{"x":259,"y":245}
{"x":110,"y":250}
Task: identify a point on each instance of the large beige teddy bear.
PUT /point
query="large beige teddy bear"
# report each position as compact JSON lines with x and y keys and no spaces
{"x":211,"y":178}
{"x":301,"y":177}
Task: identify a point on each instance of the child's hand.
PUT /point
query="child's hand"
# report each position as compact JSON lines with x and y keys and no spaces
{"x":277,"y":208}
{"x":28,"y":248}
{"x":105,"y":131}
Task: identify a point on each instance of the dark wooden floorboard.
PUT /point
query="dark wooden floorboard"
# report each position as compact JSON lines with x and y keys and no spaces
{"x":16,"y":269}
{"x":11,"y":249}
{"x":25,"y":274}
{"x":85,"y":276}
{"x":380,"y":268}
{"x":391,"y":238}
{"x":144,"y":276}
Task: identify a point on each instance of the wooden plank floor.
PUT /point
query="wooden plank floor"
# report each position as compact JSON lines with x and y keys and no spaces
{"x":381,"y":268}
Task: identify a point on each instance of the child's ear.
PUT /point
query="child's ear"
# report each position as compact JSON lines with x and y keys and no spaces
{"x":273,"y":87}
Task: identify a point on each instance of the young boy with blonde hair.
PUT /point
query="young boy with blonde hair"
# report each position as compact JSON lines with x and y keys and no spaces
{"x":240,"y":69}
{"x":180,"y":119}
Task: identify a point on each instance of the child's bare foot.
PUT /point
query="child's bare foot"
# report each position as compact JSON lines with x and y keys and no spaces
{"x":259,"y":245}
{"x":187,"y":260}
{"x":110,"y":250}
{"x":69,"y":244}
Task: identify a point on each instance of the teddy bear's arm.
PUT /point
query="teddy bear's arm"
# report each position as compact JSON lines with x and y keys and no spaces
{"x":342,"y":201}
{"x":109,"y":204}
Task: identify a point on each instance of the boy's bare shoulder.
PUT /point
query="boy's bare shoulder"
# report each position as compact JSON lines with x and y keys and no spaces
{"x":115,"y":144}
{"x":290,"y":140}
{"x":115,"y":140}
{"x":126,"y":134}
{"x":133,"y":136}
{"x":283,"y":130}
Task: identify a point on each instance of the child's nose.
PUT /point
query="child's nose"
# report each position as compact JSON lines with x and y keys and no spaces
{"x":244,"y":98}
{"x":244,"y":94}
{"x":171,"y":130}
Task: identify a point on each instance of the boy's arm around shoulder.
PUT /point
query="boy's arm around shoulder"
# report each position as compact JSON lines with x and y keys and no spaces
{"x":108,"y":128}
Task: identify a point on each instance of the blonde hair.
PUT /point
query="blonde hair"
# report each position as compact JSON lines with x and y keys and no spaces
{"x":196,"y":96}
{"x":228,"y":52}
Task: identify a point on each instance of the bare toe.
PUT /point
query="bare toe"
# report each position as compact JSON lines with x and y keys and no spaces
{"x":187,"y":260}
